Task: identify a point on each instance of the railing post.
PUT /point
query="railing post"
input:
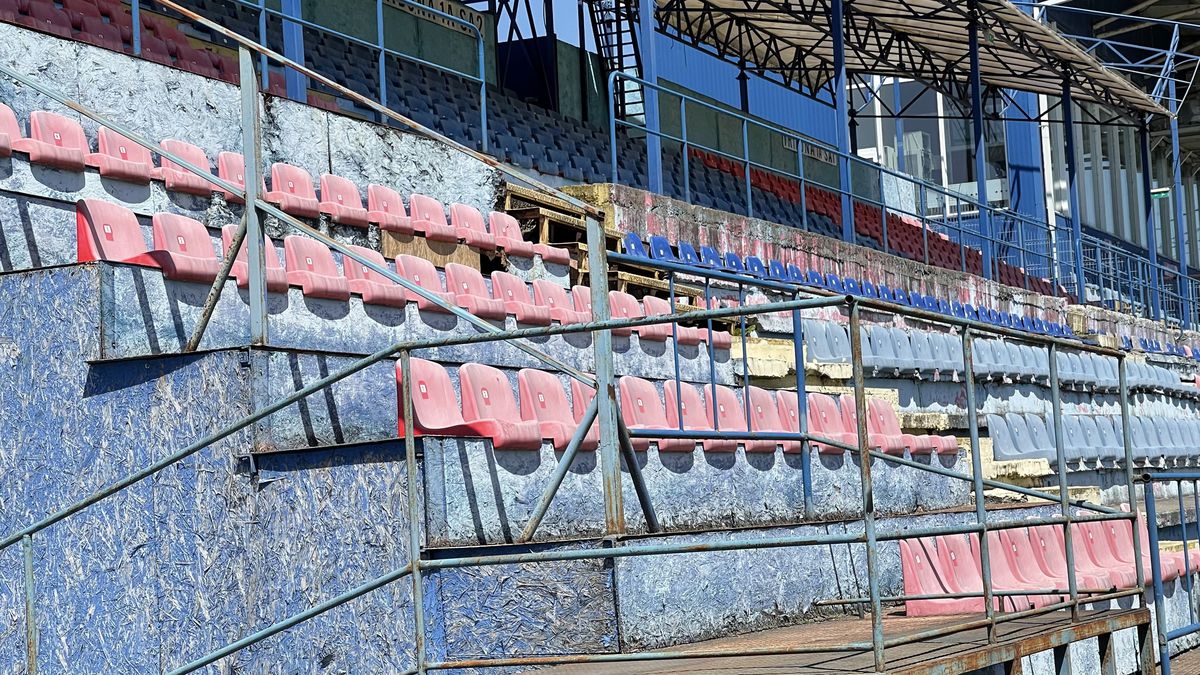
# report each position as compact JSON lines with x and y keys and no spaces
{"x":798,"y":352}
{"x":265,"y":82}
{"x":746,"y":164}
{"x":135,"y":15}
{"x":612,"y":124}
{"x":800,"y":175}
{"x":985,"y":226}
{"x":606,"y":394}
{"x":687,"y":171}
{"x":1151,"y":227}
{"x":923,"y":209}
{"x":483,"y":107}
{"x":1181,"y":228}
{"x":1068,"y":112}
{"x":31,"y":632}
{"x":414,"y":511}
{"x":293,"y":48}
{"x":380,"y":39}
{"x":985,"y":561}
{"x":649,"y":74}
{"x":883,"y":212}
{"x":255,"y":242}
{"x":868,"y":497}
{"x":1064,"y":496}
{"x":837,"y":27}
{"x":1160,"y":610}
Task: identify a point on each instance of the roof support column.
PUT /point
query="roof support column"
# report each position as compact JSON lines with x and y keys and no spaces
{"x":897,"y":105}
{"x":837,"y":24}
{"x":985,"y":224}
{"x":1181,"y":224}
{"x":650,"y":94}
{"x":1151,"y":233}
{"x":293,"y":48}
{"x":1068,"y":112}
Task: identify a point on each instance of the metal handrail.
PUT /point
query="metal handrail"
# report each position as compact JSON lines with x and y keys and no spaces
{"x":1179,"y":479}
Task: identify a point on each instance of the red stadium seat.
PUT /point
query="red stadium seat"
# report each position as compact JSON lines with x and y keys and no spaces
{"x":824,"y":421}
{"x":276,"y":277}
{"x":178,"y":179}
{"x":661,"y":307}
{"x":489,"y":408}
{"x":581,"y":396}
{"x":544,"y":401}
{"x":184,"y":249}
{"x":1050,"y":554}
{"x":511,"y":290}
{"x":877,"y":439}
{"x":1098,"y":558}
{"x":341,"y":200}
{"x":422,"y":273}
{"x":10,"y":130}
{"x":764,"y":416}
{"x":292,"y":191}
{"x":555,"y":297}
{"x":641,"y":408}
{"x":469,"y":227}
{"x":922,"y":576}
{"x":231,"y":167}
{"x":677,"y":395}
{"x":1005,"y":573}
{"x":730,"y":416}
{"x":54,"y":140}
{"x":508,"y":235}
{"x":471,"y":292}
{"x":45,"y":16}
{"x":1016,"y":546}
{"x":79,"y":10}
{"x":93,"y":30}
{"x":374,"y":288}
{"x":310,"y":266}
{"x":625,"y":306}
{"x":120,"y":158}
{"x":107,"y":231}
{"x":429,"y":218}
{"x":385,"y":209}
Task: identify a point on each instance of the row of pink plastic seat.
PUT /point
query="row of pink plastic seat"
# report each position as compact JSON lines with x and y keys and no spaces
{"x":837,"y":420}
{"x":1032,"y":558}
{"x":58,"y":141}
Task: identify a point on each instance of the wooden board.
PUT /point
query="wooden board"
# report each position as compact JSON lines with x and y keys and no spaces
{"x":437,"y":252}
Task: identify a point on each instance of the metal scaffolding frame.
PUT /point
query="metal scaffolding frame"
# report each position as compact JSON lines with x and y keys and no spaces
{"x":615,"y":447}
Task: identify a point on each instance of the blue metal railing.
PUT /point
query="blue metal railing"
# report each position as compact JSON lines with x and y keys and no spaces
{"x":479,"y":78}
{"x":1122,"y":280}
{"x":1178,"y":479}
{"x":937,"y":209}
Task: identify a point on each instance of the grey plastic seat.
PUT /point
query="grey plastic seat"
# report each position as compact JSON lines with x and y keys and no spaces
{"x":1041,"y":359}
{"x":981,"y":358}
{"x":1015,"y":365}
{"x":1078,"y":374}
{"x":839,"y":342}
{"x":816,"y":341}
{"x":1041,"y":435}
{"x":1111,"y":443}
{"x":953,"y":344}
{"x":922,"y":347}
{"x":906,"y":357}
{"x":1022,"y":436}
{"x":1004,"y":447}
{"x":1146,"y":438}
{"x":883,"y":346}
{"x":940,"y":356}
{"x":1076,"y":446}
{"x":1066,"y":373}
{"x":1106,"y":367}
{"x":1029,"y":355}
{"x":1095,"y":439}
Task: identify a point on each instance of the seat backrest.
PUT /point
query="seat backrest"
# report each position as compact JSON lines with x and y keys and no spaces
{"x":581,"y":396}
{"x":710,"y":257}
{"x":269,"y":251}
{"x":304,"y":254}
{"x":510,"y":288}
{"x":1019,"y":431}
{"x":434,"y":402}
{"x":543,"y":397}
{"x":9,"y":124}
{"x":355,"y":270}
{"x":466,"y":217}
{"x":677,"y":394}
{"x":581,"y":298}
{"x":505,"y":226}
{"x":883,"y":343}
{"x":729,"y":413}
{"x":427,"y":209}
{"x":903,"y":346}
{"x":385,"y":200}
{"x":816,"y":340}
{"x":624,"y":305}
{"x":656,"y":306}
{"x":183,"y":235}
{"x":486,"y":394}
{"x":883,"y":416}
{"x":549,"y":294}
{"x":660,"y":248}
{"x":839,"y":342}
{"x":187,"y":152}
{"x":755,"y":266}
{"x":107,"y":231}
{"x":115,"y":145}
{"x":292,"y":180}
{"x":1002,"y":441}
{"x":922,"y":348}
{"x":340,"y":191}
{"x":464,"y":280}
{"x":688,"y":254}
{"x":957,"y":558}
{"x":421,"y":272}
{"x":640,"y":404}
{"x":764,"y":413}
{"x":1041,"y":434}
{"x":56,"y":129}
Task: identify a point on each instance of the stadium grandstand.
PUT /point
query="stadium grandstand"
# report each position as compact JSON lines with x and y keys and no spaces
{"x":828,"y":336}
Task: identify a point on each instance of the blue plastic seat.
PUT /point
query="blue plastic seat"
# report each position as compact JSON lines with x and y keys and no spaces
{"x":776,"y":270}
{"x":943,"y":306}
{"x":733,"y":263}
{"x":869,"y":290}
{"x":850,"y":285}
{"x":885,"y":293}
{"x":688,"y":255}
{"x":634,"y":246}
{"x":970,"y":313}
{"x":956,"y":309}
{"x":813,"y":278}
{"x":660,"y":249}
{"x":900,"y":296}
{"x":755,"y":266}
{"x":833,"y":282}
{"x":915,"y":299}
{"x":710,"y":258}
{"x":795,"y":274}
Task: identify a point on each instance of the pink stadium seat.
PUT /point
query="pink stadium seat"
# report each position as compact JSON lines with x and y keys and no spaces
{"x":178,"y":179}
{"x":292,"y":191}
{"x":1004,"y":576}
{"x":10,"y":130}
{"x":553,"y":254}
{"x":508,"y":235}
{"x":385,"y":209}
{"x":641,"y":408}
{"x":436,"y":411}
{"x":684,"y":335}
{"x":877,"y":438}
{"x":120,"y":158}
{"x":374,"y":288}
{"x":581,"y":396}
{"x":1100,"y":556}
{"x":764,"y":416}
{"x":582,"y":297}
{"x":511,"y":290}
{"x":192,"y":59}
{"x":489,"y":408}
{"x":231,"y":167}
{"x":429,"y":217}
{"x":555,"y":297}
{"x":730,"y":416}
{"x":469,"y":227}
{"x":341,"y":200}
{"x":93,"y":30}
{"x":625,"y":306}
{"x":919,"y":567}
{"x":959,"y":564}
{"x":422,"y":273}
{"x":685,"y":395}
{"x":1050,"y":553}
{"x":543,"y":400}
{"x":310,"y":266}
{"x":54,"y":140}
{"x":276,"y":277}
{"x":471,"y":292}
{"x":720,"y":339}
{"x":1016,"y":545}
{"x":183,"y":249}
{"x":107,"y":231}
{"x":824,"y":420}
{"x":45,"y":16}
{"x":882,"y":422}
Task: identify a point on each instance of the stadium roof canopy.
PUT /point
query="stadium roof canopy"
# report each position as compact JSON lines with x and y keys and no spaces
{"x":922,"y":39}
